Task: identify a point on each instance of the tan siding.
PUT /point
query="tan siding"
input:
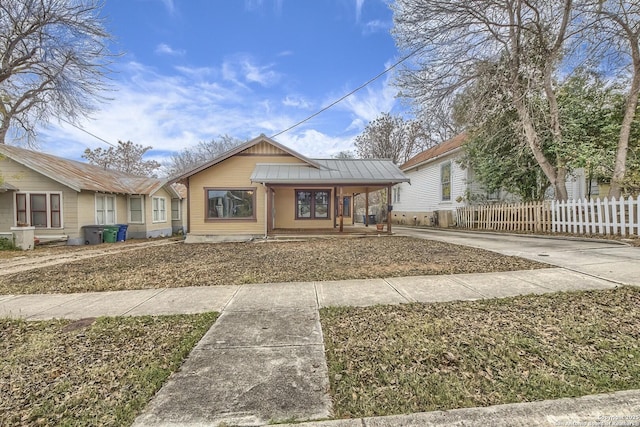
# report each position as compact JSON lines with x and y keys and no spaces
{"x":231,"y":173}
{"x":27,"y":180}
{"x":6,"y":211}
{"x":264,"y":148}
{"x":86,"y":208}
{"x":163,"y":225}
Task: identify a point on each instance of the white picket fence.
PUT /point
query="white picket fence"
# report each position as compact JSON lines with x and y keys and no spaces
{"x":605,"y":217}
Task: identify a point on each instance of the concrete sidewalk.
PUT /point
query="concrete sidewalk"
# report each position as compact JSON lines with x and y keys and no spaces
{"x":362,"y":292}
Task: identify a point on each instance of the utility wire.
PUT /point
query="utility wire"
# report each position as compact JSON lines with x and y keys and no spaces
{"x":87,"y":132}
{"x":322,"y":110}
{"x":368,"y":82}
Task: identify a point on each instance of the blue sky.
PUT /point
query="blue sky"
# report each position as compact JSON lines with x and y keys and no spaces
{"x":192,"y":70}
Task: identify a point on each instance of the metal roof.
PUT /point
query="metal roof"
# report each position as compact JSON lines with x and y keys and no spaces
{"x":331,"y":171}
{"x":82,"y":176}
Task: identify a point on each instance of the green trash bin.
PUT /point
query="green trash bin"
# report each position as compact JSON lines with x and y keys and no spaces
{"x":110,"y":233}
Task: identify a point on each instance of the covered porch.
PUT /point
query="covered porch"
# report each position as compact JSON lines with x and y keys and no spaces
{"x":304,"y":200}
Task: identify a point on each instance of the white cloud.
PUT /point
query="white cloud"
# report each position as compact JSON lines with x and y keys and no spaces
{"x":172,"y":112}
{"x":359,"y":4}
{"x":243,"y":70}
{"x":314,"y":143}
{"x":169,"y":5}
{"x":376,"y":26}
{"x":296,"y":101}
{"x":165,"y":49}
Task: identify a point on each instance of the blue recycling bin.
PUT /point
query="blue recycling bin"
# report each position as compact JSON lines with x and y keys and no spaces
{"x":372,"y":219}
{"x":122,"y":232}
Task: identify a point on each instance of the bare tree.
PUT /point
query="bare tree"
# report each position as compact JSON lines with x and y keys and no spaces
{"x":192,"y":157}
{"x":391,"y":137}
{"x":126,"y":157}
{"x":452,"y":38}
{"x":618,"y":31}
{"x":53,"y":62}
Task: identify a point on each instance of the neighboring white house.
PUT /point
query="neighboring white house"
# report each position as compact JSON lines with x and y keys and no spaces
{"x":439,"y":185}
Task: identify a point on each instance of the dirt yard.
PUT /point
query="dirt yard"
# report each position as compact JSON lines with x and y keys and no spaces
{"x":179,"y":265}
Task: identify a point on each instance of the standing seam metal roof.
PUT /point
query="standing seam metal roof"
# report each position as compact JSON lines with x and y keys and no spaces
{"x":338,"y":171}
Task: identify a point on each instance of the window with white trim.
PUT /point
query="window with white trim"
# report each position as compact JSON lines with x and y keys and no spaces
{"x":105,"y":209}
{"x":136,"y":209}
{"x":175,"y":209}
{"x":445,"y":181}
{"x":396,"y":194}
{"x":39,"y":209}
{"x":159,"y":209}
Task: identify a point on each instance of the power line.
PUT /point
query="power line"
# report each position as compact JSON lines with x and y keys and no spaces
{"x":368,"y":82}
{"x":322,"y":110}
{"x":87,"y":132}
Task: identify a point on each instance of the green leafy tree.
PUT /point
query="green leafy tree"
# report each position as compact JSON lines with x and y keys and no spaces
{"x":125,"y":157}
{"x":590,"y":111}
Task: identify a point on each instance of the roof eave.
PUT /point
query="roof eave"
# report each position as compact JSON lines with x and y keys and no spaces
{"x":241,"y":148}
{"x":432,"y":159}
{"x":331,"y":182}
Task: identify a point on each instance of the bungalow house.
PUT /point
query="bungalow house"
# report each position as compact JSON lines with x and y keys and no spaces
{"x":59,"y":196}
{"x":261,"y":188}
{"x":439,"y":185}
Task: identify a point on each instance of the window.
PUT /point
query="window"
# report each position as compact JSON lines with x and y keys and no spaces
{"x":159,"y":209}
{"x":227,"y":204}
{"x":105,"y":209}
{"x":346,"y":206}
{"x":396,"y":195}
{"x":56,"y":210}
{"x":175,"y":209}
{"x":136,"y":209}
{"x":312,"y":204}
{"x":445,"y":181}
{"x":42,"y":210}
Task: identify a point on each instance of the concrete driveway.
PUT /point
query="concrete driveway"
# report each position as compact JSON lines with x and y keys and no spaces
{"x":605,"y":259}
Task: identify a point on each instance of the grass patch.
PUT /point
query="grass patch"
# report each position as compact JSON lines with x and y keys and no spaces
{"x":101,"y":372}
{"x":6,"y":244}
{"x":179,"y":265}
{"x":387,"y":360}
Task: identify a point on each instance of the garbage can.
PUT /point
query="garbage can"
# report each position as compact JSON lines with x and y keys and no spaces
{"x":372,"y":219}
{"x":122,"y":232}
{"x":110,"y":233}
{"x":92,"y":234}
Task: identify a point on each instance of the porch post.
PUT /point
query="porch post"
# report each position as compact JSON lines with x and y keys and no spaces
{"x":388,"y":211}
{"x":366,"y":206}
{"x":341,"y":208}
{"x":269,"y":218}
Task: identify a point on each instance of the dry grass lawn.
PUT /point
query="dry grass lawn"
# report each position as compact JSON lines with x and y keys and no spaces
{"x":179,"y":265}
{"x":422,"y":357}
{"x":91,"y":372}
